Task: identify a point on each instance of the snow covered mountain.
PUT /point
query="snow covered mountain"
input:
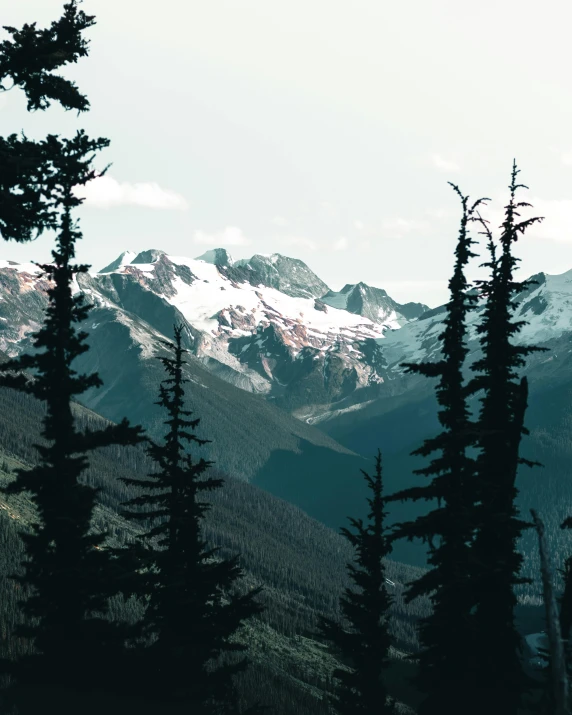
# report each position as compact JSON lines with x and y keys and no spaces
{"x":272,"y":328}
{"x":545,"y":308}
{"x":373,"y":303}
{"x":270,"y":325}
{"x":267,"y":324}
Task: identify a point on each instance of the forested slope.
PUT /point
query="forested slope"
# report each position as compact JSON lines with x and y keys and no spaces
{"x":300,"y":561}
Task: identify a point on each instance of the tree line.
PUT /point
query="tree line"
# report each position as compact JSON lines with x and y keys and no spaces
{"x":185,"y":652}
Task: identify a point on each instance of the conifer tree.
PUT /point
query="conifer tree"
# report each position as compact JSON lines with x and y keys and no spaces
{"x":365,"y":644}
{"x":191,"y":615}
{"x":446,"y":666}
{"x":66,"y":569}
{"x":559,"y":700}
{"x":29,"y":61}
{"x":496,"y":562}
{"x":565,"y":614}
{"x":566,"y":598}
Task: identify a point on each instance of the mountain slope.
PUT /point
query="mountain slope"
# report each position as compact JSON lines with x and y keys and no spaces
{"x":373,"y":303}
{"x":300,"y":562}
{"x":399,"y":423}
{"x":267,"y":324}
{"x":251,"y":439}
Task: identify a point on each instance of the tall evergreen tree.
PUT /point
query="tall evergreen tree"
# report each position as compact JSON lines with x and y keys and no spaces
{"x":29,"y":61}
{"x":66,"y":568}
{"x":501,"y":680}
{"x":446,"y":665}
{"x":559,"y":700}
{"x":566,"y":598}
{"x":364,"y":646}
{"x":192,"y":614}
{"x":547,"y":701}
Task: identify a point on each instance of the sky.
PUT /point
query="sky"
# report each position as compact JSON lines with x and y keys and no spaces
{"x":319,"y":129}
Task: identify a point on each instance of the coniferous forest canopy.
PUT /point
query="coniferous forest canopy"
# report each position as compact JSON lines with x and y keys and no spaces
{"x":175,"y":539}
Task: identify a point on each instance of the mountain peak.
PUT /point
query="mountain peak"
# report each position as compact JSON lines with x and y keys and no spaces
{"x":122,"y":260}
{"x":288,"y":275}
{"x":373,"y":303}
{"x":150,"y":256}
{"x":217,"y":256}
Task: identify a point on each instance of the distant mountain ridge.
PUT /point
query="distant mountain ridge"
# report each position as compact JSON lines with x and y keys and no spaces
{"x":372,"y":303}
{"x":267,"y":324}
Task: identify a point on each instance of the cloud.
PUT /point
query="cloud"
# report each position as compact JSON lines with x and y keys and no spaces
{"x":444,"y":164}
{"x":566,"y":158}
{"x":341,"y":244}
{"x":359,"y":224}
{"x":279,"y":221}
{"x":327,"y":212}
{"x":230,"y":236}
{"x":105,"y":192}
{"x":401,"y":226}
{"x":557,"y":224}
{"x":440,"y":214}
{"x":557,"y":213}
{"x":301,"y":241}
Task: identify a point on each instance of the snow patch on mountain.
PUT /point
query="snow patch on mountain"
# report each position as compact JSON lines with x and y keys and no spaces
{"x":123,"y":259}
{"x":218,"y":256}
{"x":546,"y":309}
{"x":373,"y":303}
{"x":30,"y":268}
{"x":212,"y":296}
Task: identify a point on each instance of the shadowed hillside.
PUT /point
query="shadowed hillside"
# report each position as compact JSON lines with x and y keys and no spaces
{"x":300,"y":561}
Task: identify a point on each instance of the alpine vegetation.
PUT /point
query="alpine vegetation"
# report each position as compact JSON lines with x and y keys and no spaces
{"x":191,"y":615}
{"x":363,"y":643}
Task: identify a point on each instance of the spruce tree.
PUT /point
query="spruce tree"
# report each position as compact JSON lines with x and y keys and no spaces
{"x":29,"y":61}
{"x":446,"y":666}
{"x":501,"y":680}
{"x":192,"y":615}
{"x":66,"y":570}
{"x":364,"y":645}
{"x":566,"y":598}
{"x":565,"y":606}
{"x":559,"y":700}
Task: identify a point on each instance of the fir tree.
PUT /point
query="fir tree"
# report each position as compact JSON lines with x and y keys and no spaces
{"x":557,"y":670}
{"x":66,"y":570}
{"x":496,"y":562}
{"x":446,"y":666}
{"x":29,"y":61}
{"x":566,"y":598}
{"x":191,"y":616}
{"x":565,"y":604}
{"x":364,"y":646}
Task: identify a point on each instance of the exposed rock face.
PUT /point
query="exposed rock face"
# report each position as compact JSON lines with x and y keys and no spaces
{"x":373,"y":303}
{"x":217,"y":256}
{"x":270,"y":325}
{"x":288,"y":275}
{"x":260,"y":323}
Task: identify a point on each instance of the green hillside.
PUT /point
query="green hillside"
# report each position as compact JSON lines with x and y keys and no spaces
{"x":300,"y":561}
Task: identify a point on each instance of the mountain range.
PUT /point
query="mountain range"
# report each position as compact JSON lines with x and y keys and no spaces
{"x":296,"y":384}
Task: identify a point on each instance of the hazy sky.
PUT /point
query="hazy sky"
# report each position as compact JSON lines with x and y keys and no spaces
{"x":320,"y":129}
